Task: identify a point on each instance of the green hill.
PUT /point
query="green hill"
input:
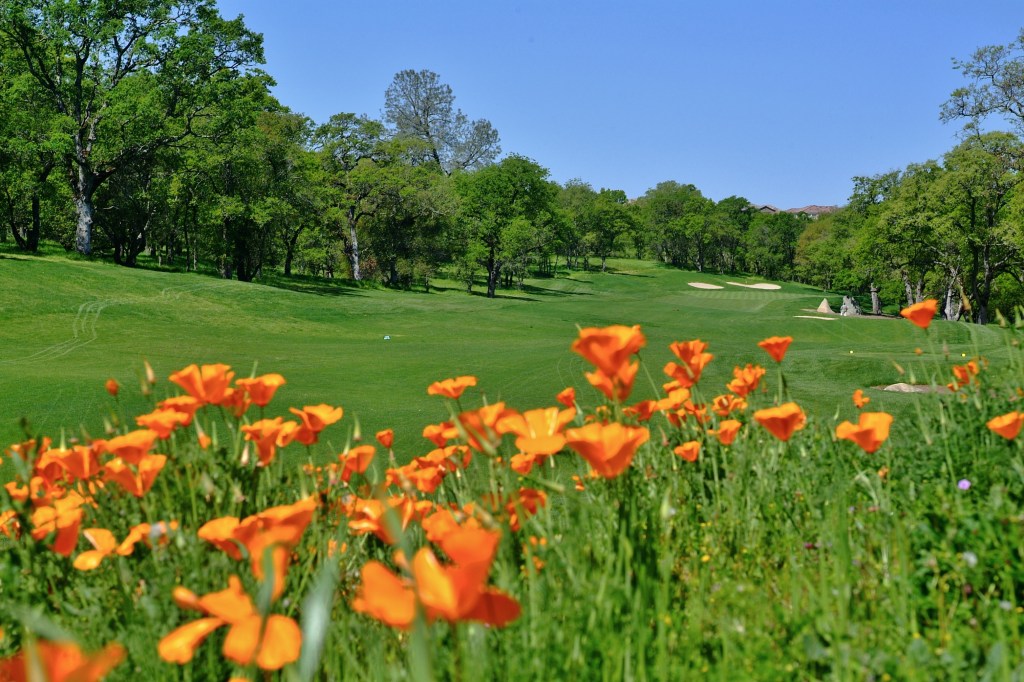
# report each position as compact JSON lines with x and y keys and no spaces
{"x":71,"y":324}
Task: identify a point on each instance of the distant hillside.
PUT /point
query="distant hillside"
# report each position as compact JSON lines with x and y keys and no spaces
{"x":814,"y":210}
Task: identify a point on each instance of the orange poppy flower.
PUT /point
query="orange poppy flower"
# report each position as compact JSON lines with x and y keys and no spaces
{"x":63,"y":517}
{"x":221,"y":533}
{"x":615,"y":386}
{"x":697,"y":410}
{"x":367,"y":516}
{"x":271,"y":643}
{"x":567,"y":397}
{"x":921,"y":314}
{"x":726,"y":404}
{"x":962,"y":374}
{"x":526,"y":503}
{"x":438,"y":433}
{"x":236,"y":401}
{"x":451,"y":388}
{"x":453,"y":592}
{"x":676,"y":398}
{"x":538,"y":432}
{"x":185,"y":404}
{"x":694,"y":361}
{"x":479,"y":428}
{"x":871,"y":431}
{"x":443,"y":522}
{"x":277,"y":529}
{"x":609,"y":348}
{"x":131,"y":447}
{"x":608,"y":448}
{"x":643,"y":410}
{"x":859,"y":399}
{"x":207,"y":384}
{"x":776,"y":346}
{"x":423,"y":477}
{"x":522,"y":462}
{"x":135,"y":482}
{"x":386,"y":438}
{"x":727,"y":431}
{"x":356,"y":461}
{"x":163,"y":421}
{"x":315,"y":418}
{"x":782,"y":421}
{"x":78,"y":463}
{"x":1007,"y":425}
{"x":60,"y":661}
{"x":104,"y":543}
{"x":688,"y":451}
{"x":270,"y":434}
{"x":9,"y":526}
{"x":112,"y":387}
{"x":745,"y":380}
{"x":261,"y":389}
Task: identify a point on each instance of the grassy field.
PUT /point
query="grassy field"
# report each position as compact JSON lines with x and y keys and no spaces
{"x":779,"y":555}
{"x":68,"y":325}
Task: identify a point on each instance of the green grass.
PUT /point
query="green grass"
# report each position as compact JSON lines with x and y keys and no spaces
{"x":71,"y":324}
{"x":763,"y":560}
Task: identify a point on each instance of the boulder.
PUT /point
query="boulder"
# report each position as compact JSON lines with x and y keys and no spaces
{"x":850,"y":307}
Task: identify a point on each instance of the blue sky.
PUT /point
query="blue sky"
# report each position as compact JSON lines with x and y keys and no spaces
{"x":780,"y":102}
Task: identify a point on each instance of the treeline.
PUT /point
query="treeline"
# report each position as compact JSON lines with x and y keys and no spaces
{"x":951,"y":230}
{"x":132,"y":129}
{"x":148,"y":128}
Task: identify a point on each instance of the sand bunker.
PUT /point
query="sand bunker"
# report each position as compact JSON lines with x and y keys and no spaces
{"x":759,"y":285}
{"x":814,"y":317}
{"x":704,"y":285}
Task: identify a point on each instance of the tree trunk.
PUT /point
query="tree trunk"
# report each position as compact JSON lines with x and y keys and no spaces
{"x":32,"y":238}
{"x":83,"y":185}
{"x":876,"y":302}
{"x":353,"y":254}
{"x":907,"y":287}
{"x":493,"y":272}
{"x":226,"y":271}
{"x":289,"y":254}
{"x":83,"y":229}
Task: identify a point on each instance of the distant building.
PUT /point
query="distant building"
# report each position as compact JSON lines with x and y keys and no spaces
{"x":765,"y":208}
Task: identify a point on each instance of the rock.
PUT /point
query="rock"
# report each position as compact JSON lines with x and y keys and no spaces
{"x":915,"y":388}
{"x":825,"y":307}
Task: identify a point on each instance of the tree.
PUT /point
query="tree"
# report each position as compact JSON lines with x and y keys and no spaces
{"x":907,"y":234}
{"x":771,"y":244}
{"x":608,"y":218}
{"x":130,"y":77}
{"x":984,"y":175}
{"x":421,"y":107}
{"x":731,"y":221}
{"x":32,"y":141}
{"x":996,"y":85}
{"x":352,"y":149}
{"x":498,"y":202}
{"x":574,"y":200}
{"x":674,"y":214}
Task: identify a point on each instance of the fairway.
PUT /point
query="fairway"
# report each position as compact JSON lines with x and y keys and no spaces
{"x":71,"y":324}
